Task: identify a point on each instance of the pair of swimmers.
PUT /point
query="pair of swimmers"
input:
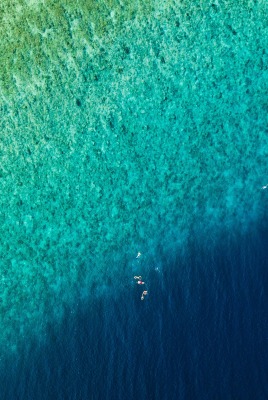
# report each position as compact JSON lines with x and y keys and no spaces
{"x":140,"y":282}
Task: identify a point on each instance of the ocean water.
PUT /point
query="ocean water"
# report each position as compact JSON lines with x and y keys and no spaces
{"x":201,"y":333}
{"x":133,"y":127}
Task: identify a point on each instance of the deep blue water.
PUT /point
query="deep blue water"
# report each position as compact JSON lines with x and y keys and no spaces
{"x":201,"y":333}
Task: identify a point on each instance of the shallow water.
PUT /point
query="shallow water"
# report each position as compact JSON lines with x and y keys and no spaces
{"x":124,"y":128}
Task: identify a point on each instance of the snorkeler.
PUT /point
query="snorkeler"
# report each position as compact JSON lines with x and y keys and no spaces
{"x":265,"y":187}
{"x":144,"y":293}
{"x":138,"y":277}
{"x":138,"y":255}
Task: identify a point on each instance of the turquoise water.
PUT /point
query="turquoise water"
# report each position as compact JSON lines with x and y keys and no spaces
{"x":124,"y":127}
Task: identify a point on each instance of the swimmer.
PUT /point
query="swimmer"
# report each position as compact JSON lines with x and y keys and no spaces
{"x":265,"y":187}
{"x":144,"y":293}
{"x":138,"y":277}
{"x":140,"y":282}
{"x":138,"y":255}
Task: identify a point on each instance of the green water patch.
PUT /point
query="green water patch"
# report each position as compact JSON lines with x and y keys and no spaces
{"x":124,"y":127}
{"x":50,"y":34}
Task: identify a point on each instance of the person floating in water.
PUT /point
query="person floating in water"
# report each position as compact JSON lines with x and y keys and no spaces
{"x":144,"y":293}
{"x":140,"y":283}
{"x":138,"y":255}
{"x":263,"y":187}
